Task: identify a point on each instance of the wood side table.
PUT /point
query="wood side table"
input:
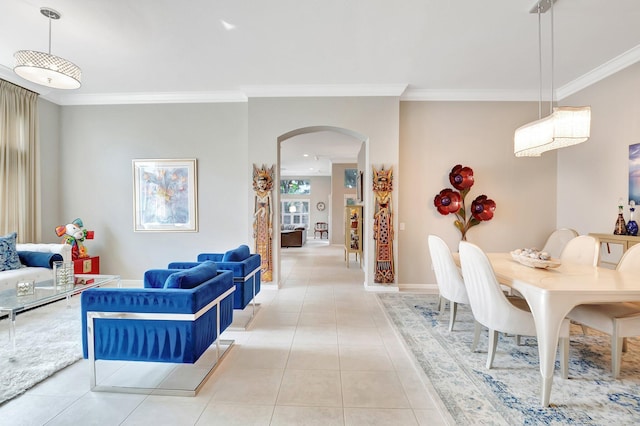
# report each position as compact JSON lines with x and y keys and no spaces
{"x":625,"y":241}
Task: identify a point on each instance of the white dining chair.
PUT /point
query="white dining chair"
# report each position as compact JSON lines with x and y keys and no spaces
{"x":619,"y":320}
{"x":581,"y":250}
{"x":492,"y":309}
{"x":558,"y":240}
{"x":448,"y":277}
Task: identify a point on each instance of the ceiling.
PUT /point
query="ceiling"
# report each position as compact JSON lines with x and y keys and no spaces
{"x":146,"y":51}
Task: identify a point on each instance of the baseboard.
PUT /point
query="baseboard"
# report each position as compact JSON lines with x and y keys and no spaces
{"x":381,"y":288}
{"x":420,"y":288}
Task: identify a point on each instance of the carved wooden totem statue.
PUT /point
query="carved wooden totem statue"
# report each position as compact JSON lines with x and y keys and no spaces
{"x":263,"y":219}
{"x":383,"y":226}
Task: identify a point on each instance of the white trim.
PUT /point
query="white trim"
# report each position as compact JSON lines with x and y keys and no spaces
{"x":611,"y":67}
{"x":382,"y":288}
{"x":469,"y":95}
{"x":420,"y":288}
{"x":327,"y":90}
{"x":151,"y":98}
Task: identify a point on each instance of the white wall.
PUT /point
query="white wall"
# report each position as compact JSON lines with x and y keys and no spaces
{"x":50,"y":158}
{"x":434,"y":137}
{"x":592,"y":176}
{"x":98,"y":146}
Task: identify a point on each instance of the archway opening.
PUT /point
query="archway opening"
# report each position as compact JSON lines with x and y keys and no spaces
{"x":323,"y":147}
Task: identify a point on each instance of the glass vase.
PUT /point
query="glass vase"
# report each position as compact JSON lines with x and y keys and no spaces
{"x":63,"y":276}
{"x":632,"y":226}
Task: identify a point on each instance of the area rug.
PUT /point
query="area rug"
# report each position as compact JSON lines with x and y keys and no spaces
{"x":509,"y":393}
{"x":47,"y":339}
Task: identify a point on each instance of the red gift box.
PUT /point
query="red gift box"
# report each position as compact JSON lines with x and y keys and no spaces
{"x":87,"y":265}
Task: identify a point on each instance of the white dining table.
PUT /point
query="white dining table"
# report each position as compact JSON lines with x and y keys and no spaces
{"x":551,"y":293}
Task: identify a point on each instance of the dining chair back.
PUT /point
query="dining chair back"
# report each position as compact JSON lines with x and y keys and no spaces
{"x":620,"y":320}
{"x":448,"y":277}
{"x":581,"y":250}
{"x":630,"y":261}
{"x":558,"y":240}
{"x":493,"y":309}
{"x":321,"y":228}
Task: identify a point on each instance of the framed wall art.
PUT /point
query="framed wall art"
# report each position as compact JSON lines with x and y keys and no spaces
{"x":165,"y":195}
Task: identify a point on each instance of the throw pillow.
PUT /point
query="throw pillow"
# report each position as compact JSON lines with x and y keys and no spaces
{"x":192,"y":277}
{"x":39,"y":259}
{"x":9,"y":258}
{"x":237,"y":255}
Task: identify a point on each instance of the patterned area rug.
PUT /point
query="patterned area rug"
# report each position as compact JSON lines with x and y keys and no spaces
{"x":509,"y":392}
{"x":47,"y":340}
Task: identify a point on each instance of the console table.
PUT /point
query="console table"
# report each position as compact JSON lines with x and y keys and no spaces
{"x":625,"y":241}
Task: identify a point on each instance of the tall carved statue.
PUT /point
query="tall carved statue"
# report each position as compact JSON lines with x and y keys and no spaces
{"x":263,"y":219}
{"x":383,"y":226}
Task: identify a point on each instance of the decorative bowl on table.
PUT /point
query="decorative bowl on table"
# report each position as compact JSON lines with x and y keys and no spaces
{"x":534,"y":258}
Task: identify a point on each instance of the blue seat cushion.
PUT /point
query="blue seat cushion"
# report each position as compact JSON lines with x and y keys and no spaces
{"x":237,"y":254}
{"x":191,"y":278}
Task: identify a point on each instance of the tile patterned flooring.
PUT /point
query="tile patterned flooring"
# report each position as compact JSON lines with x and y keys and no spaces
{"x":319,"y":352}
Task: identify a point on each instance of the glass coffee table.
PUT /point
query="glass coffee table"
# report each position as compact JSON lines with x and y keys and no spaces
{"x":46,"y":292}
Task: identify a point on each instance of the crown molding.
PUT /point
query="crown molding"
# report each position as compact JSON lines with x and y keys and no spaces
{"x":611,"y":67}
{"x":150,"y":98}
{"x":469,"y":95}
{"x":320,"y":90}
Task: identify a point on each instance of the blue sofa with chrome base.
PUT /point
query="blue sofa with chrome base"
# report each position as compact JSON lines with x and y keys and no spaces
{"x":246,"y":272}
{"x":175,"y":318}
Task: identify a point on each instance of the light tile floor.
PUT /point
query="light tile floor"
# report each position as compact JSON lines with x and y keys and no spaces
{"x":320,"y":351}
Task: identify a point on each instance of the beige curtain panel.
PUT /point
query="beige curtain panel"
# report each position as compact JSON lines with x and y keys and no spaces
{"x":19,"y":183}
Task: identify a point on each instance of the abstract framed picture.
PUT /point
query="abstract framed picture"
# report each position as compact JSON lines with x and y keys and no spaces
{"x":165,"y":195}
{"x":634,"y":173}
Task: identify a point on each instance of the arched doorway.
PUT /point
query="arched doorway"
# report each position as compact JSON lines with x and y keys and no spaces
{"x":328,"y":133}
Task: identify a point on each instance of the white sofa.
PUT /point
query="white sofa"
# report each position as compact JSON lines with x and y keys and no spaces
{"x":8,"y":279}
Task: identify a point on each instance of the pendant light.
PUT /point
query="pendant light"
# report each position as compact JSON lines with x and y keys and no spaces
{"x":564,"y":126}
{"x":47,"y":69}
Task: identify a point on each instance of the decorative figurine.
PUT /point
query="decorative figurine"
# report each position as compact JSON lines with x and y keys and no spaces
{"x":383,"y":226}
{"x":621,"y":226}
{"x":74,"y":234}
{"x":632,"y":226}
{"x":263,"y":219}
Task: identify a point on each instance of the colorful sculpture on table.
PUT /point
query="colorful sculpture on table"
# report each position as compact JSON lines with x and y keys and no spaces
{"x":383,"y":226}
{"x":74,"y":234}
{"x":263,"y":219}
{"x":451,"y":201}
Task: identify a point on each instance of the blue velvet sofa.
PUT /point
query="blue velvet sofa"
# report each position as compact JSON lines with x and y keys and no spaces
{"x":173,"y":319}
{"x":244,"y":265}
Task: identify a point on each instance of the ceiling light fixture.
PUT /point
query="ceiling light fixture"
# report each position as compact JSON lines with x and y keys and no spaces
{"x":564,"y":126}
{"x":45,"y":68}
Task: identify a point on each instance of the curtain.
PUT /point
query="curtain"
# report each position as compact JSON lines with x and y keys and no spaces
{"x":19,"y":161}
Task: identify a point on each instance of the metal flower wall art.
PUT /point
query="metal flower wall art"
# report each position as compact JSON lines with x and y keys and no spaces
{"x":453,"y":201}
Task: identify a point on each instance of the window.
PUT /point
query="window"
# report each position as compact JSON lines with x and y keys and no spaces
{"x":295,"y":186}
{"x":294,"y":212}
{"x":350,"y":178}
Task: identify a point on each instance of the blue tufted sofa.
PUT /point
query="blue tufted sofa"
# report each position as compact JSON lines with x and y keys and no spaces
{"x":173,"y":319}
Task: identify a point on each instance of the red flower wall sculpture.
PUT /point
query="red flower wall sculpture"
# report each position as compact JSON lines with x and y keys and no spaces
{"x":451,"y":201}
